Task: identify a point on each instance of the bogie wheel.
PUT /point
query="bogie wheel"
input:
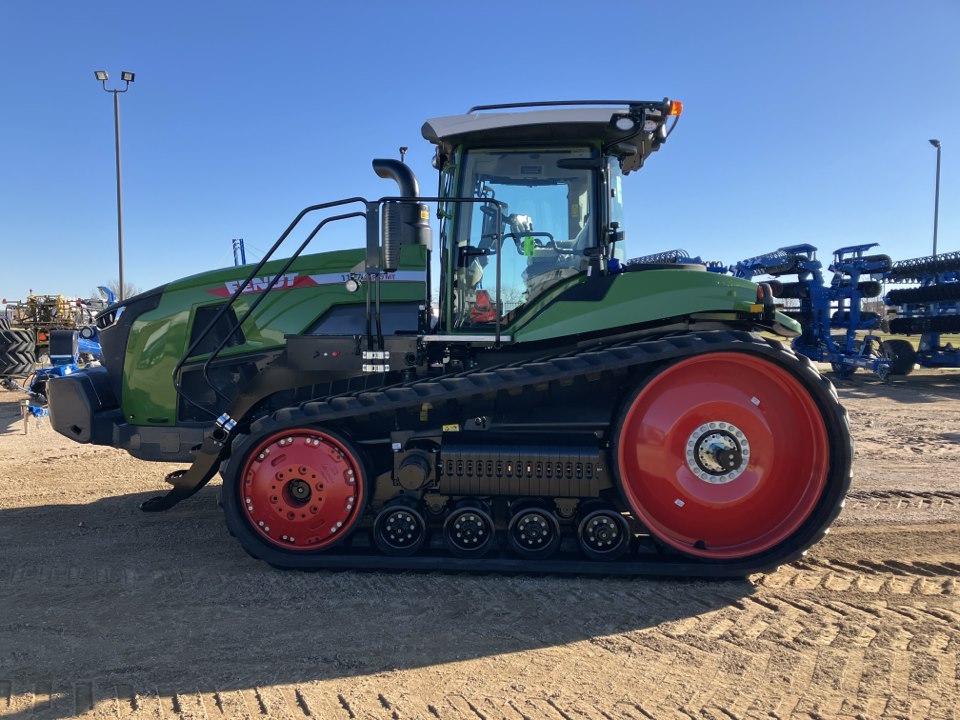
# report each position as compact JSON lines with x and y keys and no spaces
{"x":734,"y":456}
{"x":901,"y":355}
{"x":469,"y":531}
{"x":533,"y":532}
{"x":400,"y":528}
{"x":603,"y":533}
{"x":294,"y":492}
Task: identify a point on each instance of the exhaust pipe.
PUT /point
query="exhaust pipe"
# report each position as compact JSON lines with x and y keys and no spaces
{"x":404,"y":222}
{"x":400,"y":173}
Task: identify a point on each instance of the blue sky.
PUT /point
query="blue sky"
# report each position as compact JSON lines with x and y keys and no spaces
{"x":803,"y":121}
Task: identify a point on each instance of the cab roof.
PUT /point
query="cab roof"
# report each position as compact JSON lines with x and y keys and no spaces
{"x":639,"y":124}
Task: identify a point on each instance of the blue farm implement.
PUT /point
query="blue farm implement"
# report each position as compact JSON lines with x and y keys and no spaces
{"x":930,"y":309}
{"x":70,"y":350}
{"x":836,"y":329}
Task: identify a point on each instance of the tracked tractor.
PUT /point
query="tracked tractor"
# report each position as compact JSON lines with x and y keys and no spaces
{"x":553,"y":408}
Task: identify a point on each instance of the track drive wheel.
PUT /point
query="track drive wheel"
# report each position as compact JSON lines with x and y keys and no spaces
{"x":294,"y":492}
{"x":734,"y":456}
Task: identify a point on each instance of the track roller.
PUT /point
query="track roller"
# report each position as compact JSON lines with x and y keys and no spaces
{"x":399,"y":528}
{"x":534,"y":531}
{"x":602,"y":533}
{"x":469,"y":531}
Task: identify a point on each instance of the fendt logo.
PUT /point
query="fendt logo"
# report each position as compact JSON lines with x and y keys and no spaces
{"x":260,"y":284}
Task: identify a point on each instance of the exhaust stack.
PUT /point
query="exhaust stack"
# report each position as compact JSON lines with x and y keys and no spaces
{"x":404,"y":221}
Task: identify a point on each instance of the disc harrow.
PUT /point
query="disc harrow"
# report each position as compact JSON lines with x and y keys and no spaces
{"x":922,"y":268}
{"x":928,"y":310}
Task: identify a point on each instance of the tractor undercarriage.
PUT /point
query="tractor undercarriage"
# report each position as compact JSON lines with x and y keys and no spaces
{"x":464,"y":472}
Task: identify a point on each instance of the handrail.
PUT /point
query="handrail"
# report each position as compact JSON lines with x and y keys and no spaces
{"x":243,"y":286}
{"x":371,"y":212}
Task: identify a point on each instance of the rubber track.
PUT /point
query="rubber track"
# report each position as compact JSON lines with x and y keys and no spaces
{"x":487,"y":384}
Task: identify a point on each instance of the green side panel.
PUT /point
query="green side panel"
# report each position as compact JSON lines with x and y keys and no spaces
{"x":314,"y":283}
{"x":639,"y":297}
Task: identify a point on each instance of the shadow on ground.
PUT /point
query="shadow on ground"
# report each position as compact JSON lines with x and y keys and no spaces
{"x":923,"y":387}
{"x":102,"y":593}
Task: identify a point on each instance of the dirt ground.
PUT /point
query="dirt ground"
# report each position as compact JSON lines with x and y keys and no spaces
{"x":107,"y":612}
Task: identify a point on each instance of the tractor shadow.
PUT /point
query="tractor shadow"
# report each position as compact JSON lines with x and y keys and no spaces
{"x":105,"y":596}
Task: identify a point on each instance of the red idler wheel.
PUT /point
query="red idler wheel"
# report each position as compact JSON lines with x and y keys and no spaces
{"x":722,"y":455}
{"x":301,"y":489}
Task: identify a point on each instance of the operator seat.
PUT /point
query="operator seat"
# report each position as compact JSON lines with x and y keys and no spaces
{"x":550,"y":265}
{"x":583,"y":239}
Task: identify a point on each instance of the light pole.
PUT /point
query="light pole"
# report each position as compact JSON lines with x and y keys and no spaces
{"x":127,"y":78}
{"x":936,"y":201}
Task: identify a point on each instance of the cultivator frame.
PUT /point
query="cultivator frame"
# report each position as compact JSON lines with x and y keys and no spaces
{"x":823,"y":308}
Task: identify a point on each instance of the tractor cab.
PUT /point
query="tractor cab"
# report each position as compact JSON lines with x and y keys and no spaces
{"x":534,"y":200}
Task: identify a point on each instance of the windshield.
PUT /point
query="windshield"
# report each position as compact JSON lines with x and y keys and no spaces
{"x":544,"y":227}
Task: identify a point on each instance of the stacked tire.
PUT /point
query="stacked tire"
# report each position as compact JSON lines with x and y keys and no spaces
{"x":17,"y":352}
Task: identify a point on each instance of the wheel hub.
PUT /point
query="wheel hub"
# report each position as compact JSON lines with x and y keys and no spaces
{"x":601,"y":532}
{"x":469,"y":532}
{"x":468,"y":529}
{"x":401,"y":528}
{"x":532,"y":530}
{"x":299,"y":490}
{"x":717,"y":452}
{"x":603,"y":535}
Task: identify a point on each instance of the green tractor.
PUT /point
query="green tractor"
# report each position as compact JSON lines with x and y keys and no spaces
{"x":554,"y":408}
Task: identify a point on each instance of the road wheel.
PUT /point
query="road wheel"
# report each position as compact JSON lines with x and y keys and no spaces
{"x":534,"y":532}
{"x":294,"y":492}
{"x":729,"y":455}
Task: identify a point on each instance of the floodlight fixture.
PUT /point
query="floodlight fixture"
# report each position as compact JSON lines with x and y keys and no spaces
{"x":126,"y":76}
{"x":100,"y":75}
{"x":935,"y":143}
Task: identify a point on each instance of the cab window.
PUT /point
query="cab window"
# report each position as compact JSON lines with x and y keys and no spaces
{"x":541,"y":234}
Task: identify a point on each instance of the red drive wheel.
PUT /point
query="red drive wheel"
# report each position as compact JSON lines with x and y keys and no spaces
{"x":301,"y":489}
{"x":723,"y":455}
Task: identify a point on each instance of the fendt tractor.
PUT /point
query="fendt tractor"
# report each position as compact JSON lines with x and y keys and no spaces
{"x":554,"y":408}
